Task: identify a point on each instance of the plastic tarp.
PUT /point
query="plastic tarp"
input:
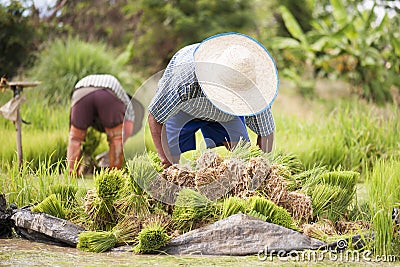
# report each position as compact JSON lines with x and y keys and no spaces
{"x":9,"y":110}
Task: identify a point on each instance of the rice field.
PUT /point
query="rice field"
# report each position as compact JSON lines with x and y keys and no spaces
{"x":316,"y":143}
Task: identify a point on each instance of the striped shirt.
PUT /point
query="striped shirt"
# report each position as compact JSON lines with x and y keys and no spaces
{"x":179,"y":90}
{"x":100,"y":81}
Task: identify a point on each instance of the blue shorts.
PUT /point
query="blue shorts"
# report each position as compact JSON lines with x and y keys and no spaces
{"x":181,"y":130}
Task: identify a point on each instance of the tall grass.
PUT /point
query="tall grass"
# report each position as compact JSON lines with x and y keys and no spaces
{"x":45,"y":136}
{"x":27,"y":186}
{"x":352,"y":135}
{"x":383,"y":187}
{"x":63,"y":62}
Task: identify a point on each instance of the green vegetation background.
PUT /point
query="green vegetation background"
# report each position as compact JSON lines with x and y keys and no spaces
{"x":338,"y":62}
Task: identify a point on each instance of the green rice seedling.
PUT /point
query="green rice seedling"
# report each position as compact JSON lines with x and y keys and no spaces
{"x":151,"y":238}
{"x":132,"y":204}
{"x":330,"y":201}
{"x":101,"y":212}
{"x":258,"y":215}
{"x":190,"y":208}
{"x":383,"y":188}
{"x":282,"y":217}
{"x":332,"y":205}
{"x":125,"y":232}
{"x":288,"y":161}
{"x":108,"y":183}
{"x":93,"y":241}
{"x":233,"y":205}
{"x":142,"y":172}
{"x":26,"y":185}
{"x":66,"y":193}
{"x":272,"y":212}
{"x":155,"y":160}
{"x":134,"y":199}
{"x":50,"y":205}
{"x":262,"y":205}
{"x":300,"y":179}
{"x":100,"y":205}
{"x":344,"y":179}
{"x":245,"y":150}
{"x":323,"y":197}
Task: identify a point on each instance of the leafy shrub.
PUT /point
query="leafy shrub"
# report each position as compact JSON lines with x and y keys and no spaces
{"x":64,"y":62}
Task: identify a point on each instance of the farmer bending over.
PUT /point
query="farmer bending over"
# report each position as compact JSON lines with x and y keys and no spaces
{"x":219,"y":86}
{"x":101,"y":102}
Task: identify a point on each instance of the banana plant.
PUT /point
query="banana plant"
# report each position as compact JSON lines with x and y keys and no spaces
{"x":351,"y":44}
{"x":301,"y":51}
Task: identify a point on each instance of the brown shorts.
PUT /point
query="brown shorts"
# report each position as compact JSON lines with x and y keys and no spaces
{"x":99,"y":109}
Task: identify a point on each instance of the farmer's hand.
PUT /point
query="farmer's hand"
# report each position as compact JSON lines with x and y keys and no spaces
{"x":165,"y":162}
{"x":156,"y":134}
{"x":265,"y":142}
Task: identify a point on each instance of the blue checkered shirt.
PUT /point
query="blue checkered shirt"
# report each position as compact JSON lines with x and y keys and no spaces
{"x":179,"y":90}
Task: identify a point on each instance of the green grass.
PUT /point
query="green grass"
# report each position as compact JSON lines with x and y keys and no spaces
{"x":27,"y":186}
{"x":340,"y":134}
{"x":383,"y":187}
{"x":351,"y":136}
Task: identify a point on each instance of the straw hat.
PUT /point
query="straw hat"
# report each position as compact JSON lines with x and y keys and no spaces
{"x":236,"y":73}
{"x":139,"y":114}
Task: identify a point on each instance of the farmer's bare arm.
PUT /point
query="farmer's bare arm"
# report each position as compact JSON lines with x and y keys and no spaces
{"x":265,"y":142}
{"x":156,"y":134}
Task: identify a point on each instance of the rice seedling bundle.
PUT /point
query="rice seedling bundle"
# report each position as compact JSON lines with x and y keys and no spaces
{"x":258,"y":215}
{"x":333,"y":205}
{"x":312,"y":230}
{"x":66,"y":192}
{"x":271,"y":211}
{"x":298,"y":205}
{"x":246,"y":151}
{"x":125,"y":232}
{"x":161,"y":218}
{"x":233,"y":205}
{"x":344,"y":227}
{"x":50,"y":205}
{"x":99,"y":203}
{"x":132,"y":204}
{"x":94,"y":241}
{"x":208,"y":159}
{"x":299,"y":180}
{"x":180,"y":175}
{"x":155,"y":161}
{"x":257,"y":169}
{"x":108,"y":183}
{"x":190,"y":208}
{"x":289,"y":164}
{"x":151,"y":238}
{"x":344,"y":179}
{"x":142,"y":172}
{"x":323,"y":198}
{"x":133,"y":199}
{"x":274,"y":187}
{"x":101,"y":212}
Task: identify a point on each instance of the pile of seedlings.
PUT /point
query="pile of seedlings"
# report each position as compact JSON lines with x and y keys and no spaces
{"x":126,"y":207}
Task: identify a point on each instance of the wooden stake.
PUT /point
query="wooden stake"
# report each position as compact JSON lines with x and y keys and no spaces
{"x":18,"y":126}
